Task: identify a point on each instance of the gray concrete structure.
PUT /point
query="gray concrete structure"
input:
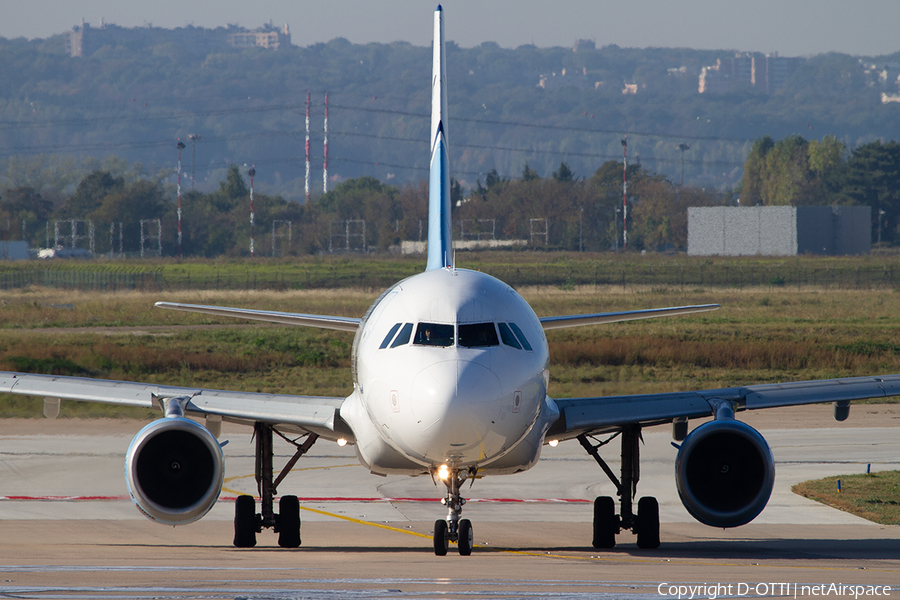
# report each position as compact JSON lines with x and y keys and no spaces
{"x":779,"y":230}
{"x":14,"y":251}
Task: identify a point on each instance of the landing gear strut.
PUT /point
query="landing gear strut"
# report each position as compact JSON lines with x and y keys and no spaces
{"x":247,"y":522}
{"x":453,"y":529}
{"x":645,"y":524}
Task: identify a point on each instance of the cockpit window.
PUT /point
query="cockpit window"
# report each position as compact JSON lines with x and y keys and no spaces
{"x":507,"y":336}
{"x":521,"y":336}
{"x":389,"y":336}
{"x":478,"y":335}
{"x":434,"y":334}
{"x":403,"y":337}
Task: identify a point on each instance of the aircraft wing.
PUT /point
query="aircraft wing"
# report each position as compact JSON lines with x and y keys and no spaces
{"x":318,"y":414}
{"x":561,"y":322}
{"x":597,"y":415}
{"x":321,"y":321}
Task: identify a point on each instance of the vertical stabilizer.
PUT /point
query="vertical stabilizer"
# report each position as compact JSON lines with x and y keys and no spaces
{"x":440,"y":243}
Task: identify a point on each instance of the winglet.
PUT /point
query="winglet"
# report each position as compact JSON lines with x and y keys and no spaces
{"x":440,"y":243}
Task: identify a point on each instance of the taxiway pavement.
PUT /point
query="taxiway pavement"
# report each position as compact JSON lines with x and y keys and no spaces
{"x":67,"y":529}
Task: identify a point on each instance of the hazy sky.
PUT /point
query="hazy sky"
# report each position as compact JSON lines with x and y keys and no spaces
{"x":789,"y":27}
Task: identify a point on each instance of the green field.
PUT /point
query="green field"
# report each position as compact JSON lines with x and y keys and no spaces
{"x":761,"y":334}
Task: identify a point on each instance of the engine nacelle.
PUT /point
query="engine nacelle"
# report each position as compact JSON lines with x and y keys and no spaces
{"x":174,"y":470}
{"x":724,"y":472}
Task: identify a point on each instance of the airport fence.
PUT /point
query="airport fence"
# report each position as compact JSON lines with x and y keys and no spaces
{"x":359,"y":274}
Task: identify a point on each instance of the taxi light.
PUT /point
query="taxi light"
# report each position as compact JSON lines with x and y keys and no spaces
{"x":443,"y":472}
{"x":342,"y":442}
{"x":553,"y":443}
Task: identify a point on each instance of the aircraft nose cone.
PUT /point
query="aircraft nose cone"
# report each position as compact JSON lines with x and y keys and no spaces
{"x":455,"y":403}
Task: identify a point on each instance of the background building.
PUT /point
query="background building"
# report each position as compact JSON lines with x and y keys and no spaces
{"x":746,"y":71}
{"x":264,"y":37}
{"x":85,"y":40}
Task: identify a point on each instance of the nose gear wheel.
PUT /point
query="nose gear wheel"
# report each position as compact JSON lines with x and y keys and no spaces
{"x":454,"y":529}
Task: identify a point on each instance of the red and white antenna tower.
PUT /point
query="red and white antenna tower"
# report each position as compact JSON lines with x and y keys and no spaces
{"x":325,"y":163}
{"x":180,"y":146}
{"x":251,"y":173}
{"x":625,"y":194}
{"x":307,"y":146}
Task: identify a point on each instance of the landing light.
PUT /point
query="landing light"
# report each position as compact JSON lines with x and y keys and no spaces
{"x":342,"y":442}
{"x":553,"y":443}
{"x":443,"y":472}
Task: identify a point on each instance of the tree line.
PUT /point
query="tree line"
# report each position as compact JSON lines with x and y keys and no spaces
{"x":799,"y":172}
{"x":560,"y":210}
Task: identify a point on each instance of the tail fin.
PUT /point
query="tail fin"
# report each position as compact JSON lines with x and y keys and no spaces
{"x":440,"y":243}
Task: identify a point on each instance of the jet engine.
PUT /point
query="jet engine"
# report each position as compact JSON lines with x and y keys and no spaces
{"x":724,"y":472}
{"x":174,"y":470}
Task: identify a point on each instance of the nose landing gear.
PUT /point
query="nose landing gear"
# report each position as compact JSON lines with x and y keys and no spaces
{"x":453,"y":529}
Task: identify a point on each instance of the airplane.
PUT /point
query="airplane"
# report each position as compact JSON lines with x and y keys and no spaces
{"x":450,"y":380}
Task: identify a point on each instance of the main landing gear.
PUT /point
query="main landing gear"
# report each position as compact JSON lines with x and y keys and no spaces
{"x":453,"y":529}
{"x":247,"y":523}
{"x":645,"y":524}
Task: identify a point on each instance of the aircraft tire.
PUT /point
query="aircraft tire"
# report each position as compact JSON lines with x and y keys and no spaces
{"x":648,"y":523}
{"x":465,"y":537}
{"x":441,"y":538}
{"x":245,"y":522}
{"x":289,"y":522}
{"x":605,"y":523}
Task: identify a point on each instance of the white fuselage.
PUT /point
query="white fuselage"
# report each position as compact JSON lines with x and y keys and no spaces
{"x":450,"y":368}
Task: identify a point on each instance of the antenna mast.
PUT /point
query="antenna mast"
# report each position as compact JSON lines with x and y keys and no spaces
{"x":307,"y":146}
{"x":180,"y":146}
{"x":325,"y":163}
{"x":251,"y":173}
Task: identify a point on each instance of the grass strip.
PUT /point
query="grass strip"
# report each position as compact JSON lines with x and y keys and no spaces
{"x":874,"y":497}
{"x":565,"y":270}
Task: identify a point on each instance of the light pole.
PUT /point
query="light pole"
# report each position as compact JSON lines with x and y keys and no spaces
{"x":193,"y":137}
{"x":616,"y":220}
{"x":682,"y":147}
{"x":625,"y":193}
{"x":880,"y":214}
{"x":581,"y":229}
